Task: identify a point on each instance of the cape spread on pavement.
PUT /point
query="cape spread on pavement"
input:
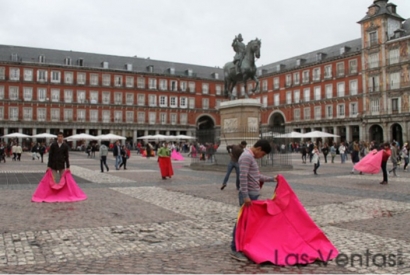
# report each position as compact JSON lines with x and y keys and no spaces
{"x":281,"y":231}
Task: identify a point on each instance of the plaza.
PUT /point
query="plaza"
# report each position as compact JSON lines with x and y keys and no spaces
{"x":135,"y":222}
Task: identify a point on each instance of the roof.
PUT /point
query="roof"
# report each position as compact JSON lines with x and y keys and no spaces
{"x":382,"y":8}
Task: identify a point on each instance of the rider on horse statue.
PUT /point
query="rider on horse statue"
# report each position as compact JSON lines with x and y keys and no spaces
{"x":239,"y":47}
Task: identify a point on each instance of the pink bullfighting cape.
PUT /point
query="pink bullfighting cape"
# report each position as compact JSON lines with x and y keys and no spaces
{"x":371,"y":163}
{"x":176,"y":155}
{"x":66,"y":190}
{"x":280,"y":231}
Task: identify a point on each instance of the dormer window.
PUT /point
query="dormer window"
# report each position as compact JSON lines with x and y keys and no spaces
{"x":150,"y":68}
{"x":105,"y":65}
{"x":279,"y":67}
{"x":343,"y":50}
{"x":215,"y":75}
{"x":80,"y":62}
{"x":14,"y":57}
{"x":299,"y":62}
{"x":171,"y":70}
{"x":67,"y":61}
{"x":189,"y":72}
{"x":128,"y":67}
{"x":41,"y":59}
{"x":320,"y":56}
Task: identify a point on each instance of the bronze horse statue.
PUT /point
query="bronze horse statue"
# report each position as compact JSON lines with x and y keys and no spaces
{"x":248,"y":69}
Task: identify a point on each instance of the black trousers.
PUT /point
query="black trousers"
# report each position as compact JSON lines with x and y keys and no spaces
{"x":103,"y":162}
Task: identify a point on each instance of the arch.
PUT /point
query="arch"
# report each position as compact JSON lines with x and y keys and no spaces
{"x":397,"y":133}
{"x":205,"y":122}
{"x":276,"y":122}
{"x":376,"y":133}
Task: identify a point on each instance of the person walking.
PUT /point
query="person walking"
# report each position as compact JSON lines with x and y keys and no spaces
{"x":2,"y":152}
{"x":325,"y":151}
{"x":14,"y":151}
{"x":315,"y":159}
{"x":58,"y":158}
{"x":304,"y":152}
{"x":124,"y":156}
{"x":235,"y":152}
{"x":385,"y":158}
{"x":117,"y":154}
{"x":103,"y":157}
{"x":404,"y":155}
{"x":34,"y":151}
{"x":42,"y":151}
{"x":393,"y":158}
{"x":250,"y":179}
{"x":355,"y":155}
{"x":164,"y":161}
{"x":19,"y":151}
{"x":342,"y":152}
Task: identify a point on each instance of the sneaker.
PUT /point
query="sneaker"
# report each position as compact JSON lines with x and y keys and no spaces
{"x":223,"y":186}
{"x":239,"y":256}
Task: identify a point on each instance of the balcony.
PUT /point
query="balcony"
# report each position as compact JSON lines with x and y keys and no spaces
{"x":374,"y":89}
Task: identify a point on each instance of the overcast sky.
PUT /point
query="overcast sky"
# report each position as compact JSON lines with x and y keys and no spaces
{"x":185,"y":31}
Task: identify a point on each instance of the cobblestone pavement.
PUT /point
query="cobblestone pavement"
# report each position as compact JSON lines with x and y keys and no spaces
{"x":135,"y":222}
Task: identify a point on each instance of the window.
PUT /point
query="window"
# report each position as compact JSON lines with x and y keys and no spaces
{"x":217,"y":104}
{"x":191,"y":103}
{"x":106,"y":116}
{"x":94,"y":79}
{"x":329,"y":111}
{"x":68,"y":96}
{"x":264,"y":85}
{"x":340,"y":110}
{"x":80,"y":115}
{"x":141,"y":100}
{"x":13,"y":113}
{"x":106,"y":80}
{"x":14,"y":74}
{"x":68,"y":61}
{"x":328,"y":72}
{"x":288,"y":97}
{"x":183,"y":86}
{"x":306,"y":113}
{"x":373,"y":38}
{"x":41,"y":76}
{"x":173,"y":102}
{"x":306,"y":95}
{"x":163,"y":101}
{"x":173,"y":85}
{"x":68,"y":114}
{"x":141,"y":117}
{"x":163,"y":85}
{"x":191,"y":87}
{"x":118,"y":80}
{"x":317,"y":92}
{"x":394,"y":80}
{"x":329,"y":91}
{"x":1,"y":113}
{"x":394,"y":56}
{"x":296,"y":114}
{"x":296,"y":96}
{"x":55,"y":115}
{"x":276,"y":100}
{"x":106,"y":97}
{"x":373,"y":60}
{"x":129,"y":99}
{"x":276,"y":83}
{"x":152,"y":100}
{"x":163,"y":118}
{"x":80,"y":78}
{"x":173,"y":118}
{"x":296,"y":78}
{"x":205,"y":88}
{"x":288,"y":80}
{"x":353,"y":109}
{"x":1,"y":92}
{"x":129,"y":82}
{"x":152,"y":83}
{"x":27,"y":114}
{"x":118,"y":98}
{"x":105,"y":65}
{"x":41,"y":114}
{"x":353,"y":87}
{"x":13,"y":93}
{"x":395,"y":105}
{"x":41,"y":59}
{"x":183,"y":102}
{"x":340,"y":89}
{"x":316,"y":74}
{"x":2,"y":73}
{"x":205,"y":103}
{"x":340,"y":69}
{"x":129,"y":116}
{"x":55,"y":95}
{"x":305,"y":77}
{"x":68,"y":77}
{"x":41,"y":94}
{"x":140,"y":82}
{"x":55,"y":77}
{"x":318,"y":112}
{"x":353,"y":66}
{"x":374,"y":83}
{"x":94,"y":97}
{"x":28,"y":75}
{"x":152,"y":118}
{"x":183,"y":119}
{"x":218,"y":89}
{"x":28,"y":93}
{"x":80,"y":96}
{"x":93,"y":116}
{"x":118,"y":116}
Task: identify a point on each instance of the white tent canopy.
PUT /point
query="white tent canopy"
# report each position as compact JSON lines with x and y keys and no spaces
{"x":16,"y":135}
{"x":82,"y":136}
{"x":291,"y":135}
{"x":110,"y":137}
{"x":318,"y":134}
{"x":44,"y":135}
{"x":184,"y":137}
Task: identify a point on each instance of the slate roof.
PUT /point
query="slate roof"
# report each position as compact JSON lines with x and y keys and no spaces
{"x":384,"y":8}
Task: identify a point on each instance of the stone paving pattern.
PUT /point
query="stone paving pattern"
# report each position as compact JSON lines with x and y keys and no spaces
{"x":135,"y":222}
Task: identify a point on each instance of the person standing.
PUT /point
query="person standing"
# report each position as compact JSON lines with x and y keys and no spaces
{"x":404,"y":155}
{"x":315,"y":159}
{"x":393,"y":158}
{"x":310,"y":150}
{"x":342,"y":152}
{"x":124,"y":156}
{"x":385,"y":158}
{"x":164,"y":161}
{"x":103,"y":157}
{"x":2,"y":152}
{"x":58,"y":157}
{"x":235,"y":152}
{"x":250,"y":182}
{"x":325,"y":151}
{"x":42,"y":151}
{"x":355,"y":155}
{"x":333,"y":152}
{"x":117,"y":154}
{"x":19,"y":151}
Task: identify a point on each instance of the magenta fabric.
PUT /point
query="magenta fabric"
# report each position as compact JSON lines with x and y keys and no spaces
{"x":371,"y":163}
{"x":280,"y":231}
{"x":66,"y":191}
{"x":176,"y":155}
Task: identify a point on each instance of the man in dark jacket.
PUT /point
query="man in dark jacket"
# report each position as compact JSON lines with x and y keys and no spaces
{"x":58,"y":157}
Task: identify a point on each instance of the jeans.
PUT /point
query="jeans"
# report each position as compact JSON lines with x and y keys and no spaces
{"x":343,"y":157}
{"x":253,"y":197}
{"x":118,"y":160}
{"x":103,"y":161}
{"x":232,"y":165}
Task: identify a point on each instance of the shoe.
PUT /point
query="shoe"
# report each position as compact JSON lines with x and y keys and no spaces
{"x":383,"y":182}
{"x":351,"y":172}
{"x":108,"y":169}
{"x":239,"y":256}
{"x":164,"y":178}
{"x":389,"y":171}
{"x":223,"y":186}
{"x":102,"y":171}
{"x":125,"y":168}
{"x":361,"y":173}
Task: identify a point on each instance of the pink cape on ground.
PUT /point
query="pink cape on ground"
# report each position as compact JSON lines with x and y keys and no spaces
{"x":176,"y":155}
{"x":371,"y":163}
{"x":280,"y":231}
{"x":66,"y":191}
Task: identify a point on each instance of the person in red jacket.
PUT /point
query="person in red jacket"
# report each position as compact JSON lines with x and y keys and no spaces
{"x":386,"y":155}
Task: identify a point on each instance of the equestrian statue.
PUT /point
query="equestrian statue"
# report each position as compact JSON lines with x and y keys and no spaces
{"x":243,"y":66}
